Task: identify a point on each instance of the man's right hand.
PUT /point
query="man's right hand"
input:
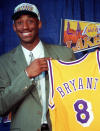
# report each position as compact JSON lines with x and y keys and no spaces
{"x":37,"y":67}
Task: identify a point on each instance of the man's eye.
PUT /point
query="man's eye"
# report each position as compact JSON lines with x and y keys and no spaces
{"x":30,"y":21}
{"x":19,"y":22}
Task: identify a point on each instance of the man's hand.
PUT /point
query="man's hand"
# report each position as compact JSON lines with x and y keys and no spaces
{"x":37,"y":67}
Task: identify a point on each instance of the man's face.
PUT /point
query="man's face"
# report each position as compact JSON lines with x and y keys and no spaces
{"x":27,"y":28}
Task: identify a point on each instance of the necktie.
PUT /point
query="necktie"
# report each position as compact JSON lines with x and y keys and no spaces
{"x":31,"y":57}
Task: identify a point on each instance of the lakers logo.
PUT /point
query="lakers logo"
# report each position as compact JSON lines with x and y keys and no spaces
{"x":28,"y":8}
{"x":92,"y":30}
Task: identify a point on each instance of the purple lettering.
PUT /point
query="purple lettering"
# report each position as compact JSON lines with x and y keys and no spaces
{"x":73,"y":84}
{"x":80,"y":83}
{"x":67,"y":88}
{"x":89,"y":83}
{"x":60,"y":90}
{"x":96,"y":80}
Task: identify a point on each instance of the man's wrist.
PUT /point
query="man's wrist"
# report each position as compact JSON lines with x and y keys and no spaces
{"x":26,"y":73}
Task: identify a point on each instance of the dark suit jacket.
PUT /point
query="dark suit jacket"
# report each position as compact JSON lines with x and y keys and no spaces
{"x":18,"y":94}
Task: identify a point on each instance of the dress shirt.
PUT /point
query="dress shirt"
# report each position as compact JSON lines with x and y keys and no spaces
{"x":38,"y":52}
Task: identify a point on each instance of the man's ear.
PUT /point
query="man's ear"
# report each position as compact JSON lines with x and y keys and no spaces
{"x":14,"y":28}
{"x":40,"y":24}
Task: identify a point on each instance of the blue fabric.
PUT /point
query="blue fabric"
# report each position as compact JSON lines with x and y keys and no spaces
{"x":51,"y":11}
{"x":4,"y":126}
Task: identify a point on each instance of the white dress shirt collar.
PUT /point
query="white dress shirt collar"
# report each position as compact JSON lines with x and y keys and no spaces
{"x":38,"y":52}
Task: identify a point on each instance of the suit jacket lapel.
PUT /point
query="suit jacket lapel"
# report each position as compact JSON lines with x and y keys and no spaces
{"x":18,"y":59}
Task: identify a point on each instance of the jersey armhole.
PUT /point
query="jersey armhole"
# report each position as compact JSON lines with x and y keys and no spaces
{"x":51,"y":90}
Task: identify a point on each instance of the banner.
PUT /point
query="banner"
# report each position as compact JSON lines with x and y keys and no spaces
{"x":80,"y":35}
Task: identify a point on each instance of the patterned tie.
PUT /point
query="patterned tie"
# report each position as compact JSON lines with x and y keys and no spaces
{"x":31,"y":57}
{"x":37,"y":78}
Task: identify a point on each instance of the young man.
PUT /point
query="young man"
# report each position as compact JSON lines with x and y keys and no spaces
{"x":24,"y":86}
